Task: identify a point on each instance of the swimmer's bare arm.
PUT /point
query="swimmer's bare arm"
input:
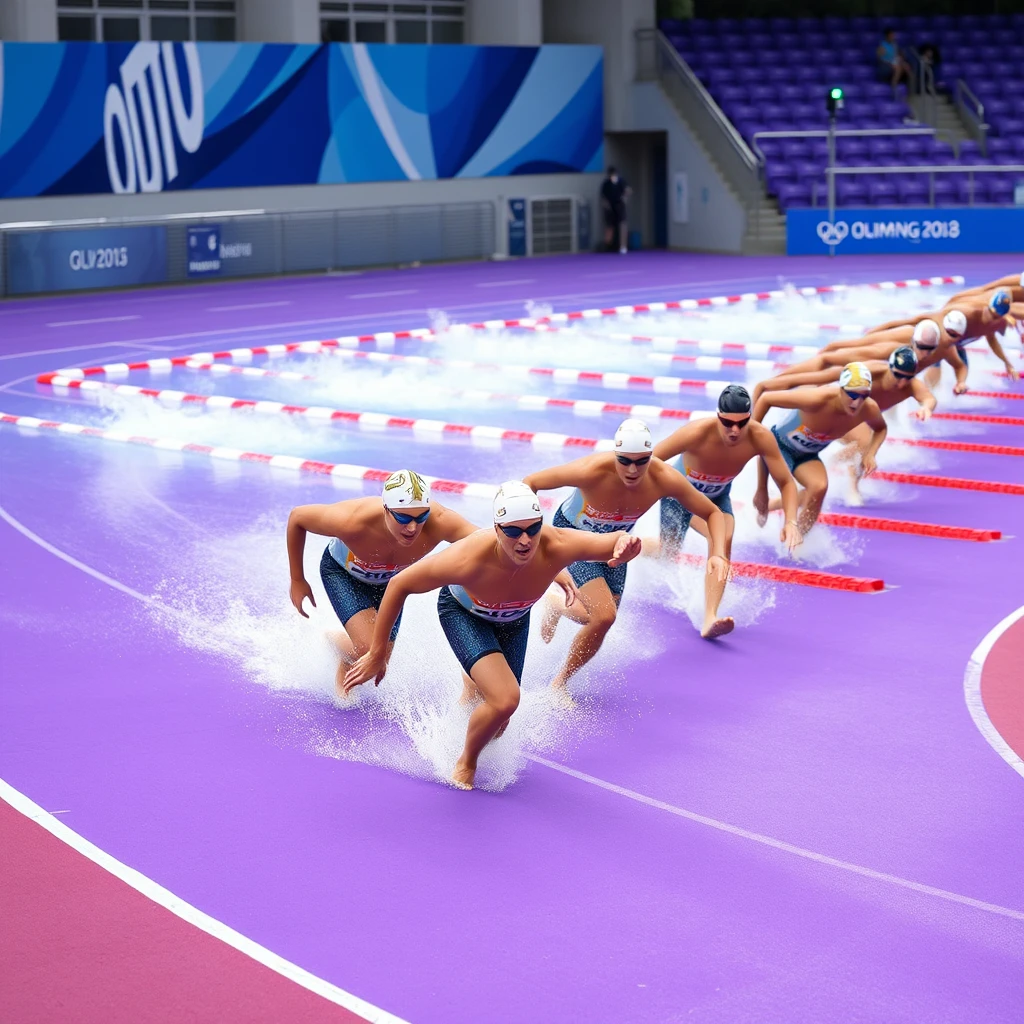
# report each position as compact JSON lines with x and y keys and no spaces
{"x":679,"y":441}
{"x":450,"y":525}
{"x":325,"y":520}
{"x":568,"y":546}
{"x":453,"y":565}
{"x":998,"y":351}
{"x":771,"y":458}
{"x":578,"y":473}
{"x":804,"y":399}
{"x":876,"y":421}
{"x":925,"y":399}
{"x":675,"y":485}
{"x":952,"y":357}
{"x":810,"y":378}
{"x":891,"y":325}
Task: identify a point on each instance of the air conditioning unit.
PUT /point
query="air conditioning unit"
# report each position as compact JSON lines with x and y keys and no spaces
{"x":551,"y":225}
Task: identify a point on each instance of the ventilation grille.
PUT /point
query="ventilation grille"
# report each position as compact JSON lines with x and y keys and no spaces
{"x":551,"y":225}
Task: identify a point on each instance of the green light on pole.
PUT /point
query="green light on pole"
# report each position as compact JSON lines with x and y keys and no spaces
{"x":837,"y":93}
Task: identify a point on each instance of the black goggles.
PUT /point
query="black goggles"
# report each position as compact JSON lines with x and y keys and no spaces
{"x":733,"y":423}
{"x":642,"y":461}
{"x":515,"y":532}
{"x":405,"y":519}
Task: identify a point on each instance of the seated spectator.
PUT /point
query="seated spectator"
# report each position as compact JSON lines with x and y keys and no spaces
{"x":892,"y":67}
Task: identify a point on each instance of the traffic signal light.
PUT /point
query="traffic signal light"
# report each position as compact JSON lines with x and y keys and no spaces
{"x":834,"y":101}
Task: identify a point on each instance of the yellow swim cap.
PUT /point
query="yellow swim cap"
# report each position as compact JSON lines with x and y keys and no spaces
{"x":855,"y":377}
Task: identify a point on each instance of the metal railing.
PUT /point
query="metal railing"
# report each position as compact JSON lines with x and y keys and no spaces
{"x":972,"y":114}
{"x":930,"y":169}
{"x":924,"y":78}
{"x":658,"y":60}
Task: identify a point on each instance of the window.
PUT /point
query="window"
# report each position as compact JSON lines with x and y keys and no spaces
{"x":343,"y":21}
{"x":127,"y":21}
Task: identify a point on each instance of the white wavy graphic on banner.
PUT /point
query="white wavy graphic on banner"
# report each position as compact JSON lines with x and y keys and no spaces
{"x":378,"y":107}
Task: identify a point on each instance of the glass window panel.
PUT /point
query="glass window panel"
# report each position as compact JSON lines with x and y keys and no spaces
{"x":410,"y":8}
{"x":215,"y":5}
{"x":215,"y":30}
{"x":446,"y":31}
{"x":372,"y":8}
{"x":121,"y":30}
{"x":80,"y":29}
{"x":334,"y":30}
{"x":75,"y":3}
{"x":120,"y":3}
{"x":170,"y":29}
{"x":327,"y":7}
{"x":455,"y":9}
{"x":371,"y":31}
{"x":168,"y":5}
{"x":410,"y":31}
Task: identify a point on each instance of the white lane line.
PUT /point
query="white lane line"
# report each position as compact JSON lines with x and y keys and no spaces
{"x":153,"y":890}
{"x":778,"y":844}
{"x":502,"y":284}
{"x":248,"y":305}
{"x":972,"y":693}
{"x":613,"y":273}
{"x":67,"y":348}
{"x":384,"y":295}
{"x":94,"y":320}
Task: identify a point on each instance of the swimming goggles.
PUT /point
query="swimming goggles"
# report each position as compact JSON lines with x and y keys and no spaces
{"x":733,"y":423}
{"x":642,"y":461}
{"x":405,"y":519}
{"x":515,"y":532}
{"x":855,"y":396}
{"x":903,"y":376}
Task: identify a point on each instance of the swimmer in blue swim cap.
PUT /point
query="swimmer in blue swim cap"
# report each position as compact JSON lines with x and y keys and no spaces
{"x":611,"y":491}
{"x":488,"y":583}
{"x":371,"y":540}
{"x":711,"y":452}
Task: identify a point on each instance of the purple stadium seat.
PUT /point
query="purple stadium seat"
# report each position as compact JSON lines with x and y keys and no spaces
{"x":732,"y":94}
{"x":809,"y":168}
{"x":788,"y":41}
{"x":852,"y":148}
{"x":750,"y":76}
{"x":774,"y":111}
{"x":969,"y":152}
{"x":882,"y":193}
{"x":759,"y":94}
{"x":793,"y":194}
{"x":779,"y":74}
{"x":772,"y":148}
{"x":1011,"y":127}
{"x":816,"y":40}
{"x":791,"y":93}
{"x":911,"y":192}
{"x":796,"y":149}
{"x":997,"y":147}
{"x":945,"y":190}
{"x":882,"y":147}
{"x":999,"y":190}
{"x":759,"y":41}
{"x":964,"y":189}
{"x":850,"y":191}
{"x":772,"y":59}
{"x":911,"y":145}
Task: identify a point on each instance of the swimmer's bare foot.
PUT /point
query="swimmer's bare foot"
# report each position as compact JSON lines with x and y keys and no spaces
{"x":463,"y":776}
{"x":855,"y":499}
{"x":563,"y":698}
{"x":549,"y":623}
{"x":717,"y":628}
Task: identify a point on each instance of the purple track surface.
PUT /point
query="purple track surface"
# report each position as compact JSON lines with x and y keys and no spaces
{"x":835,"y":727}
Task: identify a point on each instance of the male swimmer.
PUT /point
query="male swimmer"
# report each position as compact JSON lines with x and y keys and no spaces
{"x":1013,"y":282}
{"x":489,"y":582}
{"x":710,"y":453}
{"x":612,"y":490}
{"x":819,"y":416}
{"x":372,"y":539}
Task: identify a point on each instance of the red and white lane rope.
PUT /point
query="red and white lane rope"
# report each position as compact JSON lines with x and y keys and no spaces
{"x":777,"y":573}
{"x":956,"y":483}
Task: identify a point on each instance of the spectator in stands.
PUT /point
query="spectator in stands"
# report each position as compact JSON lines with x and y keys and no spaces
{"x":892,"y":67}
{"x":614,"y":193}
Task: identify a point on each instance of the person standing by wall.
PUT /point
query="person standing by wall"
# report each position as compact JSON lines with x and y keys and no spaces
{"x":614,"y":193}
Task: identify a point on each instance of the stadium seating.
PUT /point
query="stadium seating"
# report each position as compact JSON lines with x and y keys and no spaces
{"x":772,"y":74}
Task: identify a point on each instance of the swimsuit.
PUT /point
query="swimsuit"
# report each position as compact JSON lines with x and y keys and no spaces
{"x":798,"y":443}
{"x":476,"y":628}
{"x":353,"y":585}
{"x":675,"y":520}
{"x":576,"y":514}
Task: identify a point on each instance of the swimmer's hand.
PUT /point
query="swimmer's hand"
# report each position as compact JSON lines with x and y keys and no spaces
{"x":299,"y":590}
{"x":719,"y":566}
{"x":1012,"y":371}
{"x":960,"y":388}
{"x":791,"y":537}
{"x":761,"y":505}
{"x":372,"y":665}
{"x":627,"y":547}
{"x":867,"y":465}
{"x":568,"y":585}
{"x":922,"y":414}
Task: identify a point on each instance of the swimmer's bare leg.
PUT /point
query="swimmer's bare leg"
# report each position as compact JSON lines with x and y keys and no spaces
{"x":813,"y":476}
{"x":714,"y":588}
{"x":854,"y":444}
{"x":933,"y":375}
{"x":352,"y":642}
{"x":554,"y":609}
{"x":500,"y":692}
{"x":470,"y":694}
{"x":602,"y":608}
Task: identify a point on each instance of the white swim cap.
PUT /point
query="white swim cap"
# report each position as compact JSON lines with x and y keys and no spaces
{"x":406,"y":489}
{"x":955,"y":324}
{"x":855,"y":377}
{"x":515,"y":503}
{"x":927,"y":334}
{"x":633,"y":438}
{"x":1022,"y":279}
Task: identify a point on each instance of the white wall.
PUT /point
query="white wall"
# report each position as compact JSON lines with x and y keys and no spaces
{"x":503,"y":22}
{"x":717,"y":218}
{"x":28,"y":21}
{"x":611,"y":24}
{"x":313,"y":197}
{"x":279,"y":21}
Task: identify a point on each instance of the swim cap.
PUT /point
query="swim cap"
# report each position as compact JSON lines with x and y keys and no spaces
{"x":1022,"y":279}
{"x":1000,"y":302}
{"x":515,"y":502}
{"x":855,"y":377}
{"x":633,"y":438}
{"x":734,"y":398}
{"x":406,"y":489}
{"x":904,"y":360}
{"x":927,"y":334}
{"x":955,"y":324}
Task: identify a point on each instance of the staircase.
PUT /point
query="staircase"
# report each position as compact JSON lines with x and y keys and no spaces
{"x":947,"y":122}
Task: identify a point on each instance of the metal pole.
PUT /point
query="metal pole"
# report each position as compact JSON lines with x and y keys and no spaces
{"x":830,"y":173}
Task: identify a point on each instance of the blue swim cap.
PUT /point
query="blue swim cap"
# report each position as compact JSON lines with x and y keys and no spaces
{"x":1000,"y":302}
{"x":903,"y":361}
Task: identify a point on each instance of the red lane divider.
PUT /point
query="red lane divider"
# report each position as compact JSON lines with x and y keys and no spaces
{"x":801,"y":577}
{"x":953,"y":482}
{"x":970,"y":417}
{"x":903,"y":526}
{"x":957,"y":446}
{"x":1013,"y":396}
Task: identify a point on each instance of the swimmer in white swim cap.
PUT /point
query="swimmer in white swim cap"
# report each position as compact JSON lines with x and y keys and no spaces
{"x":611,"y":491}
{"x":488,"y":583}
{"x":371,"y":539}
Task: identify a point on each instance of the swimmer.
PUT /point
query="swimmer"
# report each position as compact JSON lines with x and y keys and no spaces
{"x":820,"y":416}
{"x":992,"y":320}
{"x":372,"y":539}
{"x":710,"y":453}
{"x":612,"y":491}
{"x":489,"y":582}
{"x":1012,"y":282}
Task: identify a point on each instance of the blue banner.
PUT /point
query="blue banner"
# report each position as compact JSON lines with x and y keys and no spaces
{"x":61,"y":261}
{"x":149,"y":117}
{"x":203,"y":251}
{"x":517,"y":227}
{"x":905,"y":230}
